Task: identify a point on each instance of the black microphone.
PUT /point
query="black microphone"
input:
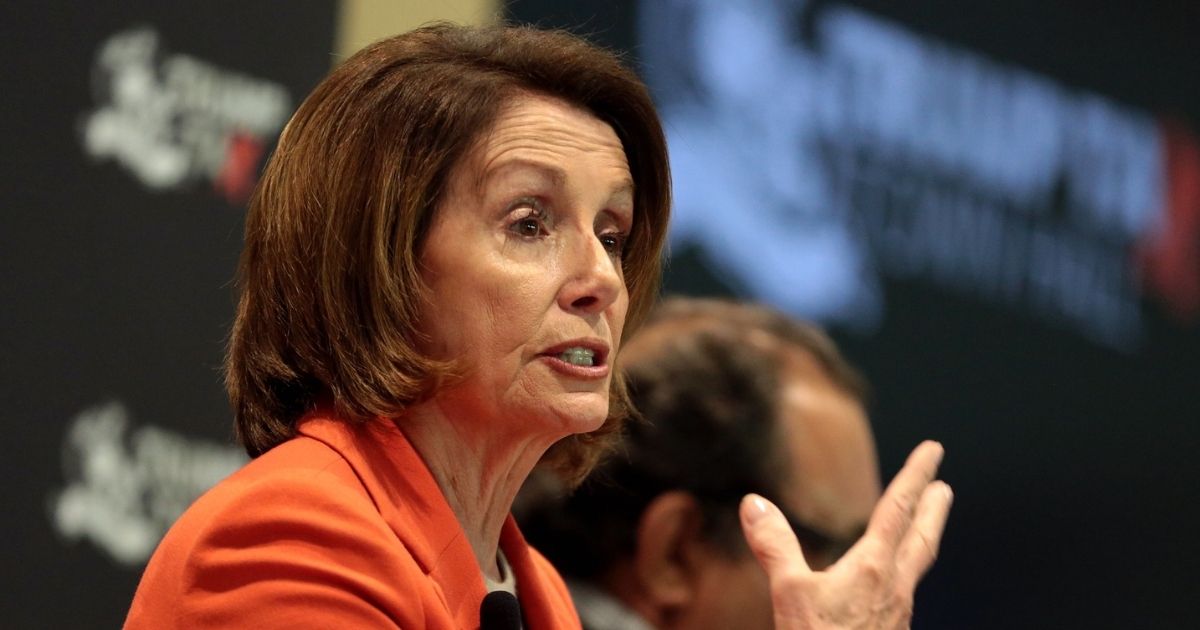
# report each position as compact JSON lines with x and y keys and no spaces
{"x":500,"y":610}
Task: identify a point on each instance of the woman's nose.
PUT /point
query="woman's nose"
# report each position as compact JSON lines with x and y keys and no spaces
{"x":595,"y":280}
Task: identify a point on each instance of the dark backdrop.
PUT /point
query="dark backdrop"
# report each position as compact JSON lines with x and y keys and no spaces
{"x":116,"y":291}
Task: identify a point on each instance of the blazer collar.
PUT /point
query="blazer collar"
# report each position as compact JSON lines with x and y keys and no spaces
{"x":410,"y":501}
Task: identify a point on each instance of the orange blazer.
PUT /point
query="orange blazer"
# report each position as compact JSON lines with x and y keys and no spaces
{"x":341,"y":527}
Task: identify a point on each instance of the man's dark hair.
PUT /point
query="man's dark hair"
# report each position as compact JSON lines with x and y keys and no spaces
{"x":704,"y":376}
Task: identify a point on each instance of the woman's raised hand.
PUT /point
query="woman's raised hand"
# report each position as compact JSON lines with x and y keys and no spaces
{"x":871,"y":586}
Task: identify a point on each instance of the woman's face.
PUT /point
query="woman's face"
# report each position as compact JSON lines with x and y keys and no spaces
{"x":523,"y":262}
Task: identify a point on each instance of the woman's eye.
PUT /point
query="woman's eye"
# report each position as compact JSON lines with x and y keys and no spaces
{"x":614,"y":243}
{"x":529,"y":227}
{"x":531,"y":223}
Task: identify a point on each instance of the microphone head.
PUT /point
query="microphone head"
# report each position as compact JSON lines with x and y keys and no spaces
{"x":500,"y":610}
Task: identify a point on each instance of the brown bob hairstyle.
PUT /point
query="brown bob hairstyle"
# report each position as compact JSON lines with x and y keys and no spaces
{"x":329,"y":281}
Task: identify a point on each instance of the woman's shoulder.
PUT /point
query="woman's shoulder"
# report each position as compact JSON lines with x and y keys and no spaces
{"x":300,"y":461}
{"x":300,"y":489}
{"x":294,"y":522}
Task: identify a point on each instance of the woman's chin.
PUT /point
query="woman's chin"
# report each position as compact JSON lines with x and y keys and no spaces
{"x":582,"y":416}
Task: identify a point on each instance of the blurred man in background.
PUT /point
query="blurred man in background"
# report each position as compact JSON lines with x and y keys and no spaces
{"x":735,"y":399}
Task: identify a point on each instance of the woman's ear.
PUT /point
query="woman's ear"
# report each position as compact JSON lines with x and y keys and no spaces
{"x":665,"y":560}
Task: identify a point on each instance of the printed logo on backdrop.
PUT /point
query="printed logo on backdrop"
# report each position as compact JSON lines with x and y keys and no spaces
{"x":125,"y":486}
{"x":174,"y":120}
{"x":814,"y":152}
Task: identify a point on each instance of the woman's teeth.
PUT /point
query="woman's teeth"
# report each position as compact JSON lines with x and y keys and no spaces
{"x":578,"y":356}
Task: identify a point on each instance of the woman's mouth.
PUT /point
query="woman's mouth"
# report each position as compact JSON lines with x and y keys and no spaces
{"x":581,"y":358}
{"x":578,"y":356}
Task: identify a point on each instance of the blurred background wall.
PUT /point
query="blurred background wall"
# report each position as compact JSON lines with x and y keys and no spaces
{"x":995,"y":207}
{"x":133,"y":134}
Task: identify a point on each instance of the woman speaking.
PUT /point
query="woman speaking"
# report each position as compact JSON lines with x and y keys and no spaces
{"x":456,"y":231}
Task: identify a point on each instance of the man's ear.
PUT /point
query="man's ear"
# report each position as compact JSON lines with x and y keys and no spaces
{"x":665,"y":559}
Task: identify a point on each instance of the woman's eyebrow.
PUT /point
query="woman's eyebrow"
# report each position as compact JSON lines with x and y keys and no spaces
{"x":552,"y":173}
{"x":623,"y":193}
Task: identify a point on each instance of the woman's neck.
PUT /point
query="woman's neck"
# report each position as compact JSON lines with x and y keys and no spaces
{"x":479,"y":471}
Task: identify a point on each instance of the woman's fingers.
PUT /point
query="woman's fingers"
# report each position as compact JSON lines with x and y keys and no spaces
{"x":872,"y":585}
{"x":771,"y":538}
{"x":919,"y":548}
{"x":893,"y":515}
